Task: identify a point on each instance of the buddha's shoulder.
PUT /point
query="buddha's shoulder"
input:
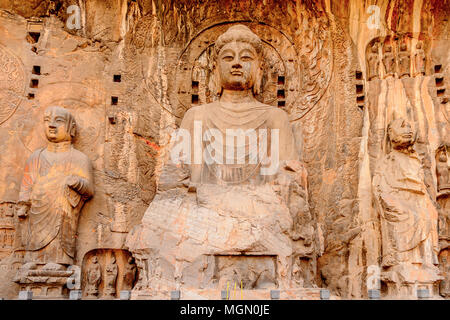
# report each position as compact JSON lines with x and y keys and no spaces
{"x":198,"y":111}
{"x":276,"y":114}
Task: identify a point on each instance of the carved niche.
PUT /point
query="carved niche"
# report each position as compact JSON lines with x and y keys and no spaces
{"x":106,"y":272}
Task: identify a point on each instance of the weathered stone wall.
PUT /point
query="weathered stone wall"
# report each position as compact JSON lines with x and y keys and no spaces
{"x":128,"y":75}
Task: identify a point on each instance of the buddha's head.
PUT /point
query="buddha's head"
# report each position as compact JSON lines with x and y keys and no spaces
{"x":59,"y":124}
{"x":94,"y":259}
{"x":401,"y":134}
{"x":239,"y":60}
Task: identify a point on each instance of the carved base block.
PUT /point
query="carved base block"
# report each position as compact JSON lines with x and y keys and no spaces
{"x":45,"y":281}
{"x":407,"y":281}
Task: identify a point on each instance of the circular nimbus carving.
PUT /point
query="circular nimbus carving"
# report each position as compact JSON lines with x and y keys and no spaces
{"x":12,"y":83}
{"x":87,"y":108}
{"x":281,"y":76}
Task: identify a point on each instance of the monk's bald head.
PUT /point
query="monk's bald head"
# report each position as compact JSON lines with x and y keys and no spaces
{"x":59,"y":124}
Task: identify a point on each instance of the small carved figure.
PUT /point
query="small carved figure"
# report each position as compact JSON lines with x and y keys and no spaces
{"x":93,"y":277}
{"x":404,"y":61}
{"x":408,"y":216}
{"x":419,"y":60}
{"x":389,"y":61}
{"x":373,"y":62}
{"x":111,"y":278}
{"x":129,"y":277}
{"x":442,"y":170}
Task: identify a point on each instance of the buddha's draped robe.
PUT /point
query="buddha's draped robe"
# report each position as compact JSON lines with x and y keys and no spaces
{"x":55,"y":208}
{"x":256,"y":117}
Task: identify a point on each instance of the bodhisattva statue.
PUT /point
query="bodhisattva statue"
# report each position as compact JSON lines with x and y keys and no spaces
{"x":419,"y":60}
{"x":93,"y":277}
{"x":373,"y":63}
{"x":408,"y":217}
{"x":234,"y":184}
{"x":404,"y":61}
{"x":389,"y":62}
{"x":111,"y":278}
{"x":57,"y":181}
{"x":129,"y":275}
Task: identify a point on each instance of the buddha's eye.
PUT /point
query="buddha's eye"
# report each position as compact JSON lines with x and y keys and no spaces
{"x":246,"y":58}
{"x":228,"y":58}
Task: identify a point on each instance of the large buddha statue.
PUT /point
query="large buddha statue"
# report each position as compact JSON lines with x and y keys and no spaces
{"x":408,"y":217}
{"x":231,"y":205}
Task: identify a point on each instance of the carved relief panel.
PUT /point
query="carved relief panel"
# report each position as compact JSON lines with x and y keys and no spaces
{"x":7,"y":229}
{"x":398,"y":57}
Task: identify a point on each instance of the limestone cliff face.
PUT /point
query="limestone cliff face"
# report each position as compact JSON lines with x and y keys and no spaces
{"x":130,"y":69}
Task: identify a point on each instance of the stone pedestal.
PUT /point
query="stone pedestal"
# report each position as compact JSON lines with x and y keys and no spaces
{"x":45,"y":282}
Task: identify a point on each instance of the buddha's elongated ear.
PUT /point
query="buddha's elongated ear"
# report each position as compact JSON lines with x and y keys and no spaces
{"x":72,"y":127}
{"x":216,"y":87}
{"x":258,"y":81}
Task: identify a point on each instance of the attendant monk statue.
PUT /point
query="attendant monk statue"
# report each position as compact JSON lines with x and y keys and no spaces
{"x":408,"y":217}
{"x":57,"y":181}
{"x":234,"y":185}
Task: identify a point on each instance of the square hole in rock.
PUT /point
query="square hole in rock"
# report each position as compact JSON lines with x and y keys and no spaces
{"x":33,"y":37}
{"x":114,"y":101}
{"x":359,"y":88}
{"x":437,"y":68}
{"x":281,"y":80}
{"x":281,"y":104}
{"x":36,"y":70}
{"x":117,"y":78}
{"x":195,"y":99}
{"x":34,"y":83}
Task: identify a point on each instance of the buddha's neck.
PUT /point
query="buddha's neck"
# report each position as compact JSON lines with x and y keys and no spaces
{"x":58,"y":147}
{"x":237,"y":96}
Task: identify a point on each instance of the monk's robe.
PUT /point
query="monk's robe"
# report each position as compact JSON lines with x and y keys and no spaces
{"x":239,"y":167}
{"x":54,"y":207}
{"x":408,"y":215}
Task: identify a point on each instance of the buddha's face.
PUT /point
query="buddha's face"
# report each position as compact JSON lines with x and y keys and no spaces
{"x":401,"y":133}
{"x":56,"y":124}
{"x":238,"y":64}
